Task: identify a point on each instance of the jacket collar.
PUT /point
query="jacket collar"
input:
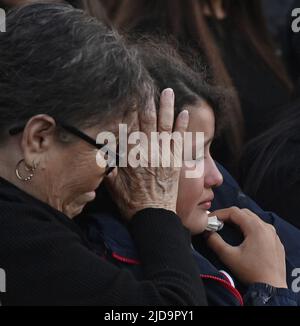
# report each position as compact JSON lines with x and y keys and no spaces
{"x":114,"y":233}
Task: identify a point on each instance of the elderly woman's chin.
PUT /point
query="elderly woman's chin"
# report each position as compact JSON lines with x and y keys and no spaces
{"x":75,"y":207}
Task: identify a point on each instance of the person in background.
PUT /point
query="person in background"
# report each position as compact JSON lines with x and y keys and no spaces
{"x":292,"y":48}
{"x":270,"y":167}
{"x":231,"y":38}
{"x":269,"y":170}
{"x":276,"y":13}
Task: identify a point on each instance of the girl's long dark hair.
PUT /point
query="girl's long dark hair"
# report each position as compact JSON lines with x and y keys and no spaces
{"x":168,"y":70}
{"x":185,"y":20}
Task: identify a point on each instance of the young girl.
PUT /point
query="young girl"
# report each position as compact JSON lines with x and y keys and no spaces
{"x":259,"y":262}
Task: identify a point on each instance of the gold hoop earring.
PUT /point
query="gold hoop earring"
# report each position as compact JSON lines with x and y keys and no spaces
{"x":31,"y":171}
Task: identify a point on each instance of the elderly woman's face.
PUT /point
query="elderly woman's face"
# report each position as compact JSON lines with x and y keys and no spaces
{"x":74,"y":175}
{"x":67,"y":174}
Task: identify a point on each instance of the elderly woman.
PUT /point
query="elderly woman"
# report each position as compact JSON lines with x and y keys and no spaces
{"x":64,"y":78}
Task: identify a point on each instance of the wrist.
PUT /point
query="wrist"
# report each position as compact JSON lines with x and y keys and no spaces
{"x":262,"y":294}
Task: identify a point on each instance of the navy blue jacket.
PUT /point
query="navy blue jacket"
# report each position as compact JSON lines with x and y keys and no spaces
{"x":111,"y":239}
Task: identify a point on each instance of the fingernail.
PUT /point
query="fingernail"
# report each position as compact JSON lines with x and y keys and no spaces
{"x":185,"y":116}
{"x":169,"y":92}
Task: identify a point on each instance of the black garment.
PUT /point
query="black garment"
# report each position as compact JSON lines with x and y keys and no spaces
{"x":292,"y":47}
{"x":270,"y":168}
{"x":261,"y":92}
{"x":279,"y":188}
{"x":276,"y":14}
{"x":48,"y":262}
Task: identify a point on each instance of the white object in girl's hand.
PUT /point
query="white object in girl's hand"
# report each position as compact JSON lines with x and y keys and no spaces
{"x":214,"y":224}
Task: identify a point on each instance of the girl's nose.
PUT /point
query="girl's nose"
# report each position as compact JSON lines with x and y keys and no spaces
{"x":213,"y":177}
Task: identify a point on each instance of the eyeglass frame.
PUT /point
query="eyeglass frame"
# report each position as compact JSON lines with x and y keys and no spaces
{"x":76,"y":132}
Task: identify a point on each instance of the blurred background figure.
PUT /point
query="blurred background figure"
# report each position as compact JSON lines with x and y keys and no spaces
{"x":7,"y":4}
{"x":277,"y":15}
{"x":292,"y":48}
{"x":232,"y":38}
{"x":271,"y":167}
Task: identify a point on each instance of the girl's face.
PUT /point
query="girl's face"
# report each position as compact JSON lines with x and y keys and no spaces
{"x":196,"y":195}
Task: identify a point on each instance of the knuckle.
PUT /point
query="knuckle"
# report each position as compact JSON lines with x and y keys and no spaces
{"x":164,"y":126}
{"x":235,"y":209}
{"x":262,"y":227}
{"x":151,"y":118}
{"x":272,"y":229}
{"x":148,"y":116}
{"x":247,"y":211}
{"x":280,"y":243}
{"x":147,"y":124}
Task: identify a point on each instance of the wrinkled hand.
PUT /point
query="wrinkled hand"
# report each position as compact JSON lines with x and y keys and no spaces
{"x":134,"y":189}
{"x":261,"y":256}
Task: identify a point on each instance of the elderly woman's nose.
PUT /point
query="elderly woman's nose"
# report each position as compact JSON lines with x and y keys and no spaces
{"x":213,"y":177}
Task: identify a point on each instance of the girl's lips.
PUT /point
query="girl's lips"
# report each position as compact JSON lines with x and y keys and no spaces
{"x":206,"y":205}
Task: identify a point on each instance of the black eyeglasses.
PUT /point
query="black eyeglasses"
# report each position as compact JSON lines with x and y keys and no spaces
{"x":76,"y":132}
